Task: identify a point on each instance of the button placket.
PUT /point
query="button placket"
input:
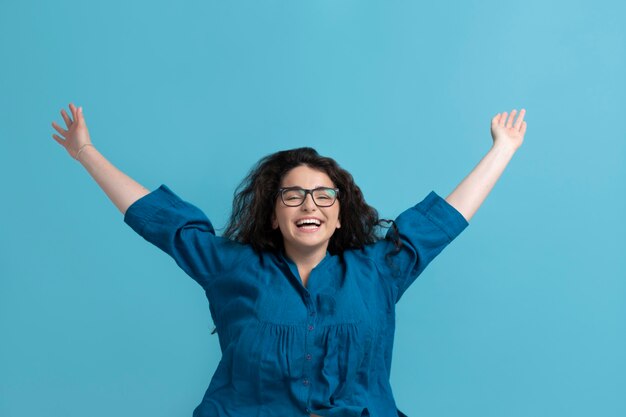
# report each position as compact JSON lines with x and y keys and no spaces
{"x":310,"y":326}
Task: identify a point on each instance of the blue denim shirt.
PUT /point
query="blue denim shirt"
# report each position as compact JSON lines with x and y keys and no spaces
{"x":290,"y":350}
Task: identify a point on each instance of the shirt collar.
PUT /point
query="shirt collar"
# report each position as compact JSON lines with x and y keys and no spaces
{"x":283,"y":256}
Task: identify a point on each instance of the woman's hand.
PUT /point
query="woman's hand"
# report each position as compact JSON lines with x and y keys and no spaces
{"x":506,"y":132}
{"x":76,"y":134}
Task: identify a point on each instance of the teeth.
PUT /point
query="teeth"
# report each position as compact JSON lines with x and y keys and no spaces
{"x":308,"y":221}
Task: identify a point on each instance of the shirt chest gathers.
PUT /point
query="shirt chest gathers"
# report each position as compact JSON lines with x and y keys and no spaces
{"x":266,"y":288}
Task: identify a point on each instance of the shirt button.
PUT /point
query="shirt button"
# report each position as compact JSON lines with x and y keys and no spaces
{"x":310,"y":327}
{"x":308,"y":356}
{"x":307,"y":410}
{"x":305,"y":381}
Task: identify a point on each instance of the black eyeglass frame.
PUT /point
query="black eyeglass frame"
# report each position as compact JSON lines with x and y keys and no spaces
{"x":281,"y":193}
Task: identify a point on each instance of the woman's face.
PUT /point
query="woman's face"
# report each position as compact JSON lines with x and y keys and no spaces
{"x":310,"y":238}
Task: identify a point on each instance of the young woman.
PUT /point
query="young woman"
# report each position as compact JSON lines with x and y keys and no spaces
{"x":301,"y":288}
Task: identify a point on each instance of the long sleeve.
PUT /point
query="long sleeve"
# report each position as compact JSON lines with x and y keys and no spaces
{"x":182,"y":231}
{"x":425,"y":230}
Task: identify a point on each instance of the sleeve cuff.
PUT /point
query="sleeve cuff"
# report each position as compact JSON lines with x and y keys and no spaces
{"x":144,"y":209}
{"x":442,"y":214}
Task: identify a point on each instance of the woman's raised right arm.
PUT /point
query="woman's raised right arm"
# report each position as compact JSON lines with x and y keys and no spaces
{"x":119,"y":187}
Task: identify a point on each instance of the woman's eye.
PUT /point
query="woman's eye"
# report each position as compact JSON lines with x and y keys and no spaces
{"x":325,"y":195}
{"x":293,"y":196}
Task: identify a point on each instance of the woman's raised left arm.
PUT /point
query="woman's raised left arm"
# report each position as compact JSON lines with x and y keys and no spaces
{"x":508,"y":135}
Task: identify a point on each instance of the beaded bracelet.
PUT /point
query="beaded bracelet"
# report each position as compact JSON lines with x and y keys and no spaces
{"x":81,"y":149}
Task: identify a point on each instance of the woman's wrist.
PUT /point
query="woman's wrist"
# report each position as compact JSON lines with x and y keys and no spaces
{"x":506,"y":148}
{"x":82,"y":150}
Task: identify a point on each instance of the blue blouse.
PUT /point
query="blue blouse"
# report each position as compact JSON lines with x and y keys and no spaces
{"x":290,"y":350}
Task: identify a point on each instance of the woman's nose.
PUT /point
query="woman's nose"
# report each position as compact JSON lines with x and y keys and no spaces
{"x":308,"y":203}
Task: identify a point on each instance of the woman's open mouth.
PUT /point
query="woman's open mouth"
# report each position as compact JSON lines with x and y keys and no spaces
{"x":308,"y":225}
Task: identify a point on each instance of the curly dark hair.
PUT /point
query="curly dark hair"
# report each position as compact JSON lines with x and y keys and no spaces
{"x":251,"y":218}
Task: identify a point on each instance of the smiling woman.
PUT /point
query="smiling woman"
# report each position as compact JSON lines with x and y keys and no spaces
{"x":306,"y":228}
{"x":302,"y":289}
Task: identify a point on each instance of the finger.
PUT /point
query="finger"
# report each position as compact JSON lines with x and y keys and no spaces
{"x":509,"y":122}
{"x":74,"y":111}
{"x":503,"y":118}
{"x":59,"y":140}
{"x":68,"y":121}
{"x":523,"y":129}
{"x":496,"y":119}
{"x":59,"y":129}
{"x":520,"y":119}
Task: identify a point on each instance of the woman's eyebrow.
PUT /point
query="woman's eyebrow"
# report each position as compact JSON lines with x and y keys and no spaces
{"x":298,"y":186}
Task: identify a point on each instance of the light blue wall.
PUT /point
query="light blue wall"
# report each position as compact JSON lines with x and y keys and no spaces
{"x":523,"y":315}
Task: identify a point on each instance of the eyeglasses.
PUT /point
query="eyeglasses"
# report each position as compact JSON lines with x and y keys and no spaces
{"x":295,"y":196}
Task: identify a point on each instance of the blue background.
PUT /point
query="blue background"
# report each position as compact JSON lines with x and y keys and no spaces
{"x":523,"y":315}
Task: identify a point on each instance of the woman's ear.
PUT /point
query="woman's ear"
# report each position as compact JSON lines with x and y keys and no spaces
{"x":274,"y":222}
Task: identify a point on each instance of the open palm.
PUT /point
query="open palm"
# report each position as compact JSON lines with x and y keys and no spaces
{"x":505,"y":131}
{"x":76,"y":135}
